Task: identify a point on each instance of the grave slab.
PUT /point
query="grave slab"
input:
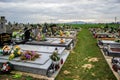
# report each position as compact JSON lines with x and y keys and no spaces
{"x":103,"y":43}
{"x":34,"y":67}
{"x":53,"y":42}
{"x":40,"y":61}
{"x":40,"y":65}
{"x":44,"y":49}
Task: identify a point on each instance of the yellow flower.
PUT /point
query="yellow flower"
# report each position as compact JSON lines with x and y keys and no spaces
{"x":19,"y":52}
{"x":11,"y":56}
{"x":17,"y":47}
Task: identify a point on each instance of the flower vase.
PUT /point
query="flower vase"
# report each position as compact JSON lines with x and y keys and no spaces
{"x":55,"y":62}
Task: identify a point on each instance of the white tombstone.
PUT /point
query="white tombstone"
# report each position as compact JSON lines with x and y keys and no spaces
{"x":2,"y":24}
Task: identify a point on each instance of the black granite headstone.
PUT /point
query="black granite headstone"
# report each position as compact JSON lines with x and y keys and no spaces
{"x":5,"y":38}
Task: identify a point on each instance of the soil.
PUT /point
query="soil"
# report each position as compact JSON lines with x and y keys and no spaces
{"x":93,"y":59}
{"x":87,"y":66}
{"x":66,"y":72}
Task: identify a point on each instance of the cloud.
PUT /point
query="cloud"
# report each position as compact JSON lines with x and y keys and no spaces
{"x":36,"y":11}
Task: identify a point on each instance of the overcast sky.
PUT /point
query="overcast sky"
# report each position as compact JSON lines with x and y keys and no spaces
{"x":40,"y":11}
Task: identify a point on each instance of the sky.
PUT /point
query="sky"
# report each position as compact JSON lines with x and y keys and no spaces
{"x":60,"y":11}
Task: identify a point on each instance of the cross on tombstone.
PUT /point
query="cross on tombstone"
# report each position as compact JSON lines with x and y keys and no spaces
{"x":2,"y":24}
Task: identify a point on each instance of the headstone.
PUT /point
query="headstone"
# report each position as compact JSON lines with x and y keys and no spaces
{"x":45,"y":28}
{"x":5,"y":38}
{"x":53,"y":29}
{"x":2,"y":24}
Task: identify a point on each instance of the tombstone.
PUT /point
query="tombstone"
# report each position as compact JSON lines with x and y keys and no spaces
{"x":53,"y":29}
{"x":5,"y":38}
{"x":2,"y":24}
{"x":45,"y":28}
{"x":119,"y":31}
{"x":49,"y":33}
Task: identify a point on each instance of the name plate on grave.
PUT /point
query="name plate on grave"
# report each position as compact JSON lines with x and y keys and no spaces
{"x":5,"y":38}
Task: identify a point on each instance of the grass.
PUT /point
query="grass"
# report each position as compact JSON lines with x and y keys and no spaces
{"x":10,"y":77}
{"x":85,"y":48}
{"x":113,"y":25}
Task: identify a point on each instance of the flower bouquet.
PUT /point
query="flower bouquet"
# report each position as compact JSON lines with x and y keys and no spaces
{"x":43,"y":37}
{"x":29,"y":55}
{"x":117,"y":40}
{"x":6,"y":50}
{"x":62,"y":41}
{"x":16,"y":52}
{"x":54,"y":57}
{"x":61,"y":33}
{"x":38,"y":37}
{"x":67,"y":33}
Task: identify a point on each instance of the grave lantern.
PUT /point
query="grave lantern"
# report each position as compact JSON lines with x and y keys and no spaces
{"x":56,"y":50}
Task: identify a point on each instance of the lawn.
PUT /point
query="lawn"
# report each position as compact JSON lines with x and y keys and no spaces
{"x":86,"y":61}
{"x":16,"y":77}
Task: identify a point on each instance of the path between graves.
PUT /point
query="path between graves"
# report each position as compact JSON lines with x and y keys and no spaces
{"x":86,"y":61}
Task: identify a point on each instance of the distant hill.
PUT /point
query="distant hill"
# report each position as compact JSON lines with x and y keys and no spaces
{"x":77,"y":22}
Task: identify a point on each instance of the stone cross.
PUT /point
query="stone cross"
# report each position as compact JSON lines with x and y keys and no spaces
{"x":2,"y":24}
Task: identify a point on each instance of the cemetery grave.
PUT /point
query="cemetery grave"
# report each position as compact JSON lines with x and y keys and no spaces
{"x":41,"y":65}
{"x":63,"y":42}
{"x":102,"y":43}
{"x":5,"y":38}
{"x":104,"y":33}
{"x":18,"y":37}
{"x":112,"y":50}
{"x":110,"y":47}
{"x":39,"y":53}
{"x":2,"y":24}
{"x":66,"y":34}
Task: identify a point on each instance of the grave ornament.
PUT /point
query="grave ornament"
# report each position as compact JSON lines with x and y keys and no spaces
{"x":55,"y":57}
{"x":16,"y":52}
{"x":6,"y":68}
{"x":2,"y":24}
{"x":29,"y":55}
{"x":62,"y":41}
{"x":6,"y":50}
